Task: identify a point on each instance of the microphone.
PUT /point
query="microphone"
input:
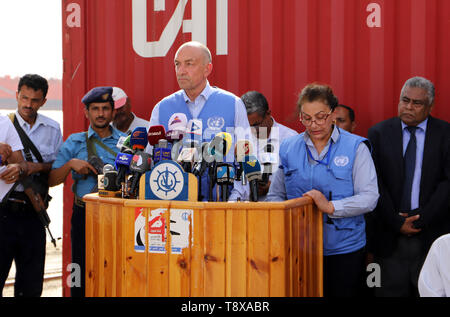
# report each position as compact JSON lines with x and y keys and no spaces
{"x":204,"y":159}
{"x":162,"y":152}
{"x":140,"y":164}
{"x":220,"y":145}
{"x":176,"y":127}
{"x":139,"y":139}
{"x":218,"y":149}
{"x":156,"y":133}
{"x":252,"y":170}
{"x":225,"y":176}
{"x":189,"y":155}
{"x":110,"y":178}
{"x":268,"y":158}
{"x":242,"y":148}
{"x":122,"y":164}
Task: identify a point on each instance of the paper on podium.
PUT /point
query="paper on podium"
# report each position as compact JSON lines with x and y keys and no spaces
{"x":4,"y":188}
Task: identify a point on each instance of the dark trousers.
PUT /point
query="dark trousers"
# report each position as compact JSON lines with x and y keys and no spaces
{"x":22,"y":239}
{"x":78,"y":242}
{"x":400,"y":271}
{"x":343,"y":274}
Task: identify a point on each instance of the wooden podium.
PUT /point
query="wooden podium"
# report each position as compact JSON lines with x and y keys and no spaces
{"x":173,"y":248}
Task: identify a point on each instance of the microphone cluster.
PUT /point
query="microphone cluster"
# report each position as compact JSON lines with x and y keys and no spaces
{"x":183,"y":144}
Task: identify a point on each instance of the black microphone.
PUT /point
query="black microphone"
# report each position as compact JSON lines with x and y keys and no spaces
{"x":140,"y":164}
{"x":267,"y":159}
{"x":252,"y":169}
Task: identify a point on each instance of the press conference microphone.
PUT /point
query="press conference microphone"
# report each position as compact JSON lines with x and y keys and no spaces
{"x":267,"y":159}
{"x":242,"y":149}
{"x":139,"y":139}
{"x":156,"y":133}
{"x":204,"y":159}
{"x":220,"y":145}
{"x":252,"y":170}
{"x":140,"y":164}
{"x":122,"y":162}
{"x":189,"y":154}
{"x":162,"y":151}
{"x":218,"y":148}
{"x":110,"y":178}
{"x":224,"y":177}
{"x":176,"y":126}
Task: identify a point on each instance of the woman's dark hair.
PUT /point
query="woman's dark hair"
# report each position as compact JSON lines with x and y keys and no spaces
{"x":34,"y":81}
{"x":317,"y":92}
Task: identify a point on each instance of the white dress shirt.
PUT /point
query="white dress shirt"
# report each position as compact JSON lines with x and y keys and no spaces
{"x":137,"y":122}
{"x":46,"y":136}
{"x":434,"y":278}
{"x":9,"y":134}
{"x":278,"y":133}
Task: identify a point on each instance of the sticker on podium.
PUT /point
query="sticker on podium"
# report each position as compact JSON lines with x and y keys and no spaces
{"x":166,"y":181}
{"x":139,"y":230}
{"x":180,"y":223}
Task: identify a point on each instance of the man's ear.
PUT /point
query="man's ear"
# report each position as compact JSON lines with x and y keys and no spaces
{"x":353,"y":126}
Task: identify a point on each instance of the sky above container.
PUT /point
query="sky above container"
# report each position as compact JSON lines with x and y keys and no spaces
{"x":31,"y":38}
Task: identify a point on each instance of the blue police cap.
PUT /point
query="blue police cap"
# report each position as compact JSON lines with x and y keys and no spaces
{"x":98,"y":94}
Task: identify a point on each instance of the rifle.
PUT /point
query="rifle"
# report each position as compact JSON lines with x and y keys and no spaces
{"x":38,"y":204}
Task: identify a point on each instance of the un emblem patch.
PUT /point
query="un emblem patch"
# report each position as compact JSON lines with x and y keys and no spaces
{"x":341,"y":160}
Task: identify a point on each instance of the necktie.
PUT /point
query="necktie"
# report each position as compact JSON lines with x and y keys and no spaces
{"x":410,"y":164}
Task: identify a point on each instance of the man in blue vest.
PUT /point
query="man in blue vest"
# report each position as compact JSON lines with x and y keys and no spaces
{"x":212,"y":108}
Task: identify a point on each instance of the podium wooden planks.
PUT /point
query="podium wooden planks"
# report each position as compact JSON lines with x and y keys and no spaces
{"x":190,"y":249}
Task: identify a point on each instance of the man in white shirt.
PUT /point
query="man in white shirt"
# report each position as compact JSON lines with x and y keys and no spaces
{"x":125,"y":120}
{"x":25,"y":238}
{"x":268,"y":136}
{"x":434,"y":278}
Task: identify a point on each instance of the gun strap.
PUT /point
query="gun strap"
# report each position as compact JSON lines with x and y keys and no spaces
{"x":27,"y":145}
{"x":91,"y":148}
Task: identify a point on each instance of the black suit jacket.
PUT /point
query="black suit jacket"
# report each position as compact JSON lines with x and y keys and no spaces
{"x":383,"y":224}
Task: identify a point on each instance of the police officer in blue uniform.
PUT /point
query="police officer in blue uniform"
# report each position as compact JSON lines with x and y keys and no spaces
{"x":99,"y":141}
{"x":335,"y":169}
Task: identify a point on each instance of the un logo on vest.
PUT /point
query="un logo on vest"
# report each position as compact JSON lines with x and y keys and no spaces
{"x":216,"y":123}
{"x":341,"y":160}
{"x":166,"y":181}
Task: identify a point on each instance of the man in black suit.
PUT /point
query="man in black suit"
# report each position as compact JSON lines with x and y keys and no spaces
{"x":412,"y":157}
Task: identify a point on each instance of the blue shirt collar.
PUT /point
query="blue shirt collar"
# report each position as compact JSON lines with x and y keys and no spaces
{"x":334,"y":136}
{"x":115,"y":134}
{"x":206,"y":93}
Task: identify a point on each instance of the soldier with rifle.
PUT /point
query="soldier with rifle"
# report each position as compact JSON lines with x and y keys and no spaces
{"x":24,"y":213}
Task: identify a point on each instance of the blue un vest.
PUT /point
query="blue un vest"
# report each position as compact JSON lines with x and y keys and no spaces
{"x":217,"y":115}
{"x":344,"y":235}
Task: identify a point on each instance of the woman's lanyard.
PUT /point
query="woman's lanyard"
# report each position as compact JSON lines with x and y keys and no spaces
{"x":327,"y":157}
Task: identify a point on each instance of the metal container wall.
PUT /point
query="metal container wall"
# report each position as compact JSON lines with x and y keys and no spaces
{"x":364,"y":49}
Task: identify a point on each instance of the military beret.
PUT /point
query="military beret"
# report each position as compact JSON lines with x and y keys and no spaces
{"x":98,"y":94}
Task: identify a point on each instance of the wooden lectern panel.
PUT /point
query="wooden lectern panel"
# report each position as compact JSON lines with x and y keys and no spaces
{"x":168,"y":248}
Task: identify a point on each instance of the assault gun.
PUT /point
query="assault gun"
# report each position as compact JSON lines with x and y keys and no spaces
{"x":38,"y":204}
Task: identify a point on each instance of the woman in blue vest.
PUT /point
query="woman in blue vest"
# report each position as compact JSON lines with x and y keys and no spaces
{"x":335,"y":169}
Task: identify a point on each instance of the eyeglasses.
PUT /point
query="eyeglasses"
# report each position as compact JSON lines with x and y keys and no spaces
{"x":320,"y":118}
{"x":415,"y":103}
